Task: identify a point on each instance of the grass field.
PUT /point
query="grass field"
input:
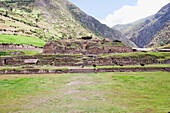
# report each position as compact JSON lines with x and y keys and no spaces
{"x":101,"y":93}
{"x":16,"y":39}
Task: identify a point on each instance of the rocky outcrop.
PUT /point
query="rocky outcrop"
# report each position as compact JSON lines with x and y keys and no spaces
{"x":161,"y":38}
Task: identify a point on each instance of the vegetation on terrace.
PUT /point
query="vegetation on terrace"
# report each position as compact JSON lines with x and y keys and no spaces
{"x":77,"y":67}
{"x":142,"y":55}
{"x":131,"y":66}
{"x":4,"y":53}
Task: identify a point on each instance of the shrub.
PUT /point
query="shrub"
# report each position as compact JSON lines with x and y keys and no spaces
{"x":102,"y":46}
{"x":142,"y":64}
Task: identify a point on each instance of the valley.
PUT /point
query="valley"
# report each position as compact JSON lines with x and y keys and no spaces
{"x":56,"y":58}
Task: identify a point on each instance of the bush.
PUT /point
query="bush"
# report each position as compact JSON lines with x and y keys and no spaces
{"x":2,"y":53}
{"x":142,"y":64}
{"x":102,"y":46}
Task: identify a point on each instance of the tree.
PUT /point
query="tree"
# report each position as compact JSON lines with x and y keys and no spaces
{"x":6,"y":13}
{"x":36,"y":20}
{"x":38,"y":15}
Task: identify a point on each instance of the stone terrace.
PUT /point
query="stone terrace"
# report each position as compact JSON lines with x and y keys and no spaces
{"x":75,"y":60}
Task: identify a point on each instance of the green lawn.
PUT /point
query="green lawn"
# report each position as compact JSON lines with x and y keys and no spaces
{"x":17,"y":39}
{"x":90,"y":93}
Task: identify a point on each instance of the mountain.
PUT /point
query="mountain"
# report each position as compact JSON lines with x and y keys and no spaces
{"x":50,"y":20}
{"x":152,"y":31}
{"x":96,"y":27}
{"x":129,"y":29}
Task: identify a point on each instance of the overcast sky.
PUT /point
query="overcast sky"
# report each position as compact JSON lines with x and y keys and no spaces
{"x":112,"y":12}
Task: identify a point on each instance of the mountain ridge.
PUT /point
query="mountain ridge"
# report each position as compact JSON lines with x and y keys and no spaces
{"x":144,"y":33}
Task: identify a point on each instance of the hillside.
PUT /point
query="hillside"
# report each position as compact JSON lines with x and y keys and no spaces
{"x":40,"y":18}
{"x":149,"y":32}
{"x":51,"y":20}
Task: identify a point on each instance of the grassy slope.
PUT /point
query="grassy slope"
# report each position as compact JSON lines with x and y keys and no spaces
{"x":143,"y":55}
{"x":21,"y":40}
{"x":167,"y":46}
{"x":102,"y":92}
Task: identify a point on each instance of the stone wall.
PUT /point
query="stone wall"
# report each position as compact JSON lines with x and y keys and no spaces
{"x":114,"y":49}
{"x":2,"y":62}
{"x":38,"y":71}
{"x":165,"y":61}
{"x":48,"y":48}
{"x":95,"y":50}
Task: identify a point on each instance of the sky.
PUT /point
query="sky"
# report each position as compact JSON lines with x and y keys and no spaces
{"x":113,"y":12}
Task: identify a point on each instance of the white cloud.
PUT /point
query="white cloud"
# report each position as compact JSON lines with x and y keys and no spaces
{"x":128,"y":14}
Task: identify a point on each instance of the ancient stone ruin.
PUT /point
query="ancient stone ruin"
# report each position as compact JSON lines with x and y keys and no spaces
{"x":80,"y":52}
{"x":85,"y":45}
